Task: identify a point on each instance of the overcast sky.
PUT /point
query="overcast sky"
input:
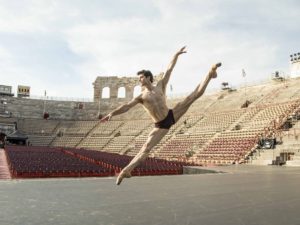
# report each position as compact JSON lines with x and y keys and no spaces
{"x":62,"y":46}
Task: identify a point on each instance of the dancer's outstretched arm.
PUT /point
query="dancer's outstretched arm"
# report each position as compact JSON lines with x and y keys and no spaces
{"x":122,"y":109}
{"x":164,"y":81}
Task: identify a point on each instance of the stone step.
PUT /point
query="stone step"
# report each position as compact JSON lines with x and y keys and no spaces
{"x":293,"y":163}
{"x":262,"y":162}
{"x":4,"y":170}
{"x":296,"y":157}
{"x":288,"y":148}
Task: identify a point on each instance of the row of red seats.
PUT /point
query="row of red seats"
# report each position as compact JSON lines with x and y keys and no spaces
{"x":117,"y":162}
{"x":49,"y":162}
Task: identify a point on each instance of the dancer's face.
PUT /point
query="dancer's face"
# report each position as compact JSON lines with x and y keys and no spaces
{"x":144,"y":80}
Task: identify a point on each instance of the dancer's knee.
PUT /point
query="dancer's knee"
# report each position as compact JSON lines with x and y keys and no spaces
{"x":146,"y":148}
{"x":199,"y":94}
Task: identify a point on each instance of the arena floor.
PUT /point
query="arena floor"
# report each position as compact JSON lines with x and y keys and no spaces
{"x":242,"y":195}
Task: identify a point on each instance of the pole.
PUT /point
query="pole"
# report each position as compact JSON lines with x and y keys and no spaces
{"x":45,"y":94}
{"x":245,"y":81}
{"x":99,"y":105}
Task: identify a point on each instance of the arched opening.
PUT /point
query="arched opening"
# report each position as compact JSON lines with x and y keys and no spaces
{"x":121,"y":92}
{"x":105,"y":92}
{"x":136,"y":91}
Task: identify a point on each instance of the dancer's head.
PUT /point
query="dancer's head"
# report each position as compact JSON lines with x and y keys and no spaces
{"x":145,"y":74}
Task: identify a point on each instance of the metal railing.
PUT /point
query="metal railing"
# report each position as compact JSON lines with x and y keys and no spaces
{"x":55,"y":98}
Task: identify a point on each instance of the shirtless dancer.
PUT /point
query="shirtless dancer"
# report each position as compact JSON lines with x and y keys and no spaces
{"x":153,"y":98}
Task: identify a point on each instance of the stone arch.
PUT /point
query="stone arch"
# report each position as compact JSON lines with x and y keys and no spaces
{"x":105,"y":92}
{"x":114,"y":83}
{"x":121,"y":92}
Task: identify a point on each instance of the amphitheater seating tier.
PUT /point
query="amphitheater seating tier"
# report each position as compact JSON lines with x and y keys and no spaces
{"x":80,"y":128}
{"x":40,"y":140}
{"x":37,"y":126}
{"x":107,"y":128}
{"x":96,"y":143}
{"x":119,"y":144}
{"x":66,"y":141}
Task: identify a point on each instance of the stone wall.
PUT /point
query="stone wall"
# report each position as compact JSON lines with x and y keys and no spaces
{"x":114,"y":83}
{"x":71,"y":110}
{"x":65,"y":110}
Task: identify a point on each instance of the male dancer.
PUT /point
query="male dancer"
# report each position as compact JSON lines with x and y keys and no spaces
{"x":153,"y":98}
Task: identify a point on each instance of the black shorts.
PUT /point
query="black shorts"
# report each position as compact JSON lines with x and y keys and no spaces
{"x":167,"y":122}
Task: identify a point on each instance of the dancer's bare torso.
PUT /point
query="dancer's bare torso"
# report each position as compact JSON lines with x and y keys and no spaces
{"x":154,"y":102}
{"x":153,"y":98}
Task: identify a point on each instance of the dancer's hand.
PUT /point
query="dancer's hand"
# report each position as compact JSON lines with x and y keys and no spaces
{"x":106,"y":118}
{"x":181,"y":51}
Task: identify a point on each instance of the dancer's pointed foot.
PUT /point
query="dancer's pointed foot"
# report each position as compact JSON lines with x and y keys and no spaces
{"x":123,"y":174}
{"x":213,"y":71}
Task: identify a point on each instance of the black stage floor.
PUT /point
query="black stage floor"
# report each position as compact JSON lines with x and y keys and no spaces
{"x":243,"y":195}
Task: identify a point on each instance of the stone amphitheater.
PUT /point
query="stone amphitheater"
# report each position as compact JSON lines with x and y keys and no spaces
{"x":216,"y":130}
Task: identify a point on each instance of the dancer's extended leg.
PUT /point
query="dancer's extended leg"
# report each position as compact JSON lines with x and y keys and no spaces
{"x":153,"y":139}
{"x":181,"y":107}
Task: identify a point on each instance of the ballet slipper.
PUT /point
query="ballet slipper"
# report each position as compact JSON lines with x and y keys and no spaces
{"x":213,"y":73}
{"x":122,"y":175}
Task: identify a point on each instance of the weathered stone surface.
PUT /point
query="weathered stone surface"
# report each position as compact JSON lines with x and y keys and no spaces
{"x":114,"y":83}
{"x":71,"y":110}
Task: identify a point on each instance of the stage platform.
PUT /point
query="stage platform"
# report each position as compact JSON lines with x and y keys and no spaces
{"x":233,"y":195}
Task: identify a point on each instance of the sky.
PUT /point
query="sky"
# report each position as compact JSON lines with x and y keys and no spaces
{"x":61,"y":46}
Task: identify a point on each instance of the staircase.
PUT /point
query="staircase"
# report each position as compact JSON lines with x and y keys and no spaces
{"x":4,"y":170}
{"x":295,"y":161}
{"x":288,"y":152}
{"x":295,"y":146}
{"x":265,"y":156}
